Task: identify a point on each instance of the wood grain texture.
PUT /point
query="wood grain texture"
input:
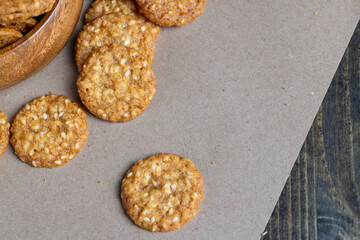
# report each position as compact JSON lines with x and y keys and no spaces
{"x":40,"y":46}
{"x":321,"y":199}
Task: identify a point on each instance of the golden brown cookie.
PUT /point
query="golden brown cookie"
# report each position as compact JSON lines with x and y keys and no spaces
{"x":116,"y":83}
{"x":4,"y":132}
{"x":128,"y":7}
{"x":22,"y":26}
{"x":8,"y":36}
{"x":44,"y":6}
{"x":49,"y":131}
{"x":18,"y":6}
{"x":162,"y":192}
{"x":115,"y":28}
{"x":171,"y":12}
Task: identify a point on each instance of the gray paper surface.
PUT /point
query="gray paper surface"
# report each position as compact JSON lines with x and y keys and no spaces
{"x":239,"y":86}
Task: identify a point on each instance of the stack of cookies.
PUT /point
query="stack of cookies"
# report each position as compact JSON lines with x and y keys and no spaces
{"x":17,"y":17}
{"x":115,"y":52}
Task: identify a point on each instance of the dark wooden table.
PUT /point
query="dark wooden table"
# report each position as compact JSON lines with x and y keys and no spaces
{"x":321,"y":198}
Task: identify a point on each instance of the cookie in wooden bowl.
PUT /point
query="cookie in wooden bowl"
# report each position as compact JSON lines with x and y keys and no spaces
{"x":31,"y":53}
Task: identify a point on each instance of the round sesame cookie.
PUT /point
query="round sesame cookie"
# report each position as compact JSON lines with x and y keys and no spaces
{"x":49,"y":131}
{"x":19,"y":6}
{"x":4,"y":132}
{"x":116,"y":83}
{"x":115,"y":28}
{"x":8,"y":36}
{"x":171,"y":12}
{"x":44,"y":6}
{"x":22,"y":26}
{"x":128,"y":7}
{"x":162,"y":192}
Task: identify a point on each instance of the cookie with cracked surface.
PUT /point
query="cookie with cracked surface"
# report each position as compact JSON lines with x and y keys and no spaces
{"x":162,"y":192}
{"x":49,"y":131}
{"x":8,"y":36}
{"x":171,"y":12}
{"x":44,"y":6}
{"x":4,"y":132}
{"x":115,"y":28}
{"x":116,"y":83}
{"x":128,"y":7}
{"x":22,"y":26}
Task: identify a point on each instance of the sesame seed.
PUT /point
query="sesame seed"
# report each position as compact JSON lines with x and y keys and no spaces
{"x":63,"y":135}
{"x":171,"y":211}
{"x":77,"y":145}
{"x":175,"y":219}
{"x":41,"y":133}
{"x":34,"y":163}
{"x":154,"y":183}
{"x":153,"y":166}
{"x":146,"y":219}
{"x":145,"y":63}
{"x":27,"y":107}
{"x":36,"y":118}
{"x":127,"y":73}
{"x":137,"y":174}
{"x":146,"y":194}
{"x":45,"y":116}
{"x":152,"y":198}
{"x":127,"y":42}
{"x":63,"y":157}
{"x":97,"y":30}
{"x":122,"y":62}
{"x":58,"y":162}
{"x":130,"y":174}
{"x":104,"y":115}
{"x":143,"y":28}
{"x":153,"y":219}
{"x":60,"y":114}
{"x":147,"y":176}
{"x":66,"y":101}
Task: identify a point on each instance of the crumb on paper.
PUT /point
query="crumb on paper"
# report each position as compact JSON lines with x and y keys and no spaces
{"x":17,"y":181}
{"x":99,"y":181}
{"x":263,"y":234}
{"x":50,"y":93}
{"x":315,"y":13}
{"x":45,"y":180}
{"x":213,"y":163}
{"x":24,"y":96}
{"x":312,"y":93}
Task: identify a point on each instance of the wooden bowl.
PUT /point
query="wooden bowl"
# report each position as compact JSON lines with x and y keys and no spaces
{"x":41,"y":45}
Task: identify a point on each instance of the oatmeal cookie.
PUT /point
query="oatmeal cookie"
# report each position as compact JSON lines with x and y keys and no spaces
{"x":116,"y":83}
{"x":115,"y":28}
{"x":4,"y":132}
{"x":171,"y":12}
{"x":162,"y":192}
{"x":49,"y":131}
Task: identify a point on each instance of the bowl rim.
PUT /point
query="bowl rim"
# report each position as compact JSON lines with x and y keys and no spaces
{"x":40,"y":25}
